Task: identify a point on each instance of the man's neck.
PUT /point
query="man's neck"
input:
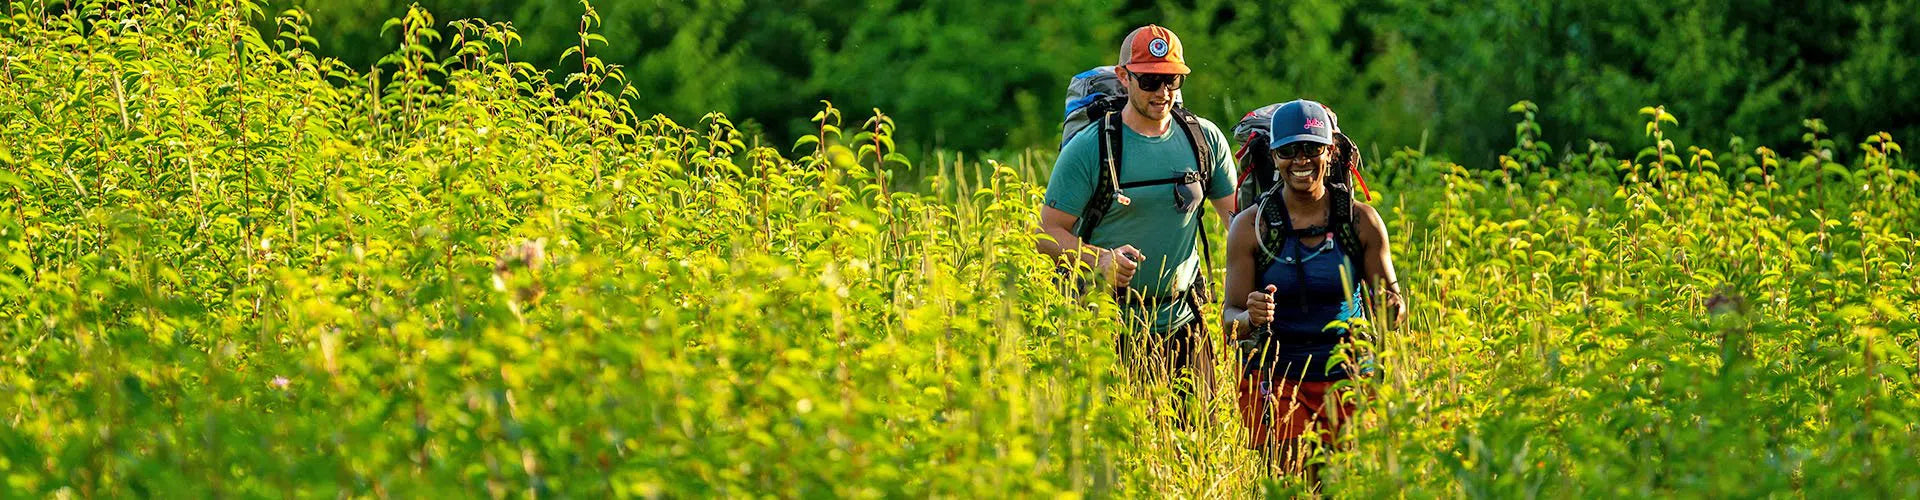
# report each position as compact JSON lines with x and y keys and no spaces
{"x":1145,"y":126}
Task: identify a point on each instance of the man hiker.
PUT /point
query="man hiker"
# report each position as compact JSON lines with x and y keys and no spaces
{"x":1145,"y":169}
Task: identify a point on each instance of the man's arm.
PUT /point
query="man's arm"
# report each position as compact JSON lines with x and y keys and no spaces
{"x":1065,"y":247}
{"x":1224,"y":208}
{"x":1068,"y":189}
{"x":1117,"y":265}
{"x":1222,"y":190}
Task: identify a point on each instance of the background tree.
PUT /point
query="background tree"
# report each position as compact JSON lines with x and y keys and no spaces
{"x":977,"y":76}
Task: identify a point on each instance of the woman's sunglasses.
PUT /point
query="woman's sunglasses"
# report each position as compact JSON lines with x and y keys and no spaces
{"x":1299,"y":150}
{"x":1151,"y":82}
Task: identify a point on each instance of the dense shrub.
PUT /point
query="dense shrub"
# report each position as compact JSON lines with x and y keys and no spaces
{"x":231,"y":268}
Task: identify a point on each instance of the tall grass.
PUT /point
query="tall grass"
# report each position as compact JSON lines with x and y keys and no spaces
{"x":235,"y":268}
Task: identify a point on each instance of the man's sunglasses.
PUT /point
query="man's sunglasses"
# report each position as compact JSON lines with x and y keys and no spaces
{"x":1151,"y":82}
{"x":1299,"y":150}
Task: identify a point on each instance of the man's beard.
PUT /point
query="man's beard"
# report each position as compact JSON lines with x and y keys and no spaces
{"x":1144,"y":106}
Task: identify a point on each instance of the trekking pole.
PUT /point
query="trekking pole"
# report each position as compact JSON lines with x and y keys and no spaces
{"x":1259,"y":337}
{"x":1260,"y":333}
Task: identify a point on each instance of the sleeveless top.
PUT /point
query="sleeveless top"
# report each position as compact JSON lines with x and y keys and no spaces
{"x":1314,"y":287}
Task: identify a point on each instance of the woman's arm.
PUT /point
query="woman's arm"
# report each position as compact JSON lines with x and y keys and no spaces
{"x":1379,"y":259}
{"x":1244,"y":306}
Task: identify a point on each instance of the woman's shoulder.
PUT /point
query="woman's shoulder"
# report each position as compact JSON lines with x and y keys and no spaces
{"x":1367,"y":220}
{"x":1244,"y":219}
{"x":1363,"y":210}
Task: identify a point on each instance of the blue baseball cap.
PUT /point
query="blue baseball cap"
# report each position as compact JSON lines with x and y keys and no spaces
{"x":1301,"y":120}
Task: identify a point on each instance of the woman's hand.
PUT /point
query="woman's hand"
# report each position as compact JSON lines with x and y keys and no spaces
{"x":1396,"y":309}
{"x":1260,"y":306}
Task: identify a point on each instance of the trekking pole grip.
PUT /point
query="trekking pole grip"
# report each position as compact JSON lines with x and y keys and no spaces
{"x":1258,"y":337}
{"x":1261,"y":332}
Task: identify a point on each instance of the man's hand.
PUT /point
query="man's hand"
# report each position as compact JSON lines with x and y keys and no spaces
{"x":1260,"y":306}
{"x":1119,"y":264}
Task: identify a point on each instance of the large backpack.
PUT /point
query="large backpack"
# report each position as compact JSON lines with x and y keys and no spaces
{"x":1260,"y":183}
{"x":1257,"y":174}
{"x":1091,"y":95}
{"x":1094,"y":100}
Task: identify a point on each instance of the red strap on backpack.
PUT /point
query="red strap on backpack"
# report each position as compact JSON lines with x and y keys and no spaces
{"x":1363,"y":182}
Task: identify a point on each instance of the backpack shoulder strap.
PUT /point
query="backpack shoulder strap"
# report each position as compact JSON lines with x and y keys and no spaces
{"x":1203,"y":165}
{"x":1106,"y":177}
{"x":1340,"y":217}
{"x":1271,"y":229}
{"x":1202,"y":149}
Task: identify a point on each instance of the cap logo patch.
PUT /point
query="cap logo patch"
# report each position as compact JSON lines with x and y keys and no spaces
{"x":1313,"y":123}
{"x":1158,"y":47}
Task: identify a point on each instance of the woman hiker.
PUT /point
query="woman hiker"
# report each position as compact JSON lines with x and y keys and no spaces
{"x":1296,"y":262}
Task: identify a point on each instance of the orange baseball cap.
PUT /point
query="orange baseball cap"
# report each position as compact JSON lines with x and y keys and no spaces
{"x":1153,"y":49}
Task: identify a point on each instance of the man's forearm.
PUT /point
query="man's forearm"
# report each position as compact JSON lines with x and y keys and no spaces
{"x":1066,"y":245}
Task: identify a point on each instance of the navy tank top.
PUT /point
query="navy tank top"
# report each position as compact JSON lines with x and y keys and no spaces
{"x":1315,"y":287}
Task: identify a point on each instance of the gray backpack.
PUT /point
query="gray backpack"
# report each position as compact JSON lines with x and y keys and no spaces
{"x":1257,"y":173}
{"x":1091,"y":95}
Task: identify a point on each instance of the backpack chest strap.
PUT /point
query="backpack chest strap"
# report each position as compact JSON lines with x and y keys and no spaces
{"x":1187,"y":178}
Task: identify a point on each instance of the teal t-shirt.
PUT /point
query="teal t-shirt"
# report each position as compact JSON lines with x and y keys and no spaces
{"x":1152,"y":223}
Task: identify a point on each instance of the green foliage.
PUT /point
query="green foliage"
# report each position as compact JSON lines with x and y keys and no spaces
{"x":771,"y":61}
{"x":974,"y":76}
{"x":230,"y":267}
{"x":1673,"y":329}
{"x":233,"y":269}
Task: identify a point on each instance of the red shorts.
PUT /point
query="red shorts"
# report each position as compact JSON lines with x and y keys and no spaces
{"x":1274,"y":409}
